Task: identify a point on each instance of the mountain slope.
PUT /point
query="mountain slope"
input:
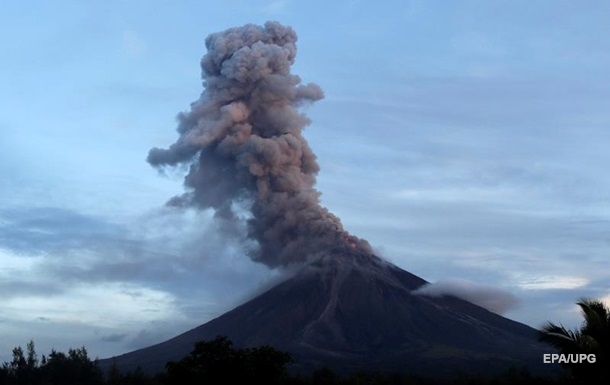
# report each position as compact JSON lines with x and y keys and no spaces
{"x":353,"y":311}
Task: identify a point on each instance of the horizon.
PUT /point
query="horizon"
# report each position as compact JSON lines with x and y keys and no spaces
{"x":465,"y":142}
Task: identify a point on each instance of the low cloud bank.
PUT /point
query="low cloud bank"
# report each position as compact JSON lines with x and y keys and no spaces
{"x":496,"y":300}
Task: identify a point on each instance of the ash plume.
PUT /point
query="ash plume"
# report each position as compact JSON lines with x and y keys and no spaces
{"x":242,"y":142}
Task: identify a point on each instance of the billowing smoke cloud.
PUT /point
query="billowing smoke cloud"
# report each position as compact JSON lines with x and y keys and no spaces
{"x":242,"y":139}
{"x":491,"y":298}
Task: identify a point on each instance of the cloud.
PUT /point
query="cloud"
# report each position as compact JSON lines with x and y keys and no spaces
{"x":107,"y":280}
{"x":116,"y":337}
{"x":548,"y":282}
{"x":489,"y":297}
{"x":41,"y":245}
{"x":37,"y":229}
{"x":81,"y":304}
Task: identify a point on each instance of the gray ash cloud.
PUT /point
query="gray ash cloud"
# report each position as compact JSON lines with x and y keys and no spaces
{"x":242,"y":140}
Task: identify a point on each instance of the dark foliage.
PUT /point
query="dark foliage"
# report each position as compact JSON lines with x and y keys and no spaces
{"x":74,"y":368}
{"x":218,"y":362}
{"x":593,"y":337}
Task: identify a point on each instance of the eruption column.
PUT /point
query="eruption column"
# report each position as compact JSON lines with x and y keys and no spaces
{"x":242,"y":140}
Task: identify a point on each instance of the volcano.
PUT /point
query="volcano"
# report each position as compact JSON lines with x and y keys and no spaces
{"x":352,"y":311}
{"x":344,"y":308}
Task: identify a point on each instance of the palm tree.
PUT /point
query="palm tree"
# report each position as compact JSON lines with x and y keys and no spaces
{"x":593,"y":337}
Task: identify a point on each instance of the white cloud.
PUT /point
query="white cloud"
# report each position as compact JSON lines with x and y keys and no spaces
{"x":107,"y":305}
{"x":550,"y":282}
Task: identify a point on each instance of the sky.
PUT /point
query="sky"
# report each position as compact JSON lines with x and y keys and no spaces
{"x":466,"y":141}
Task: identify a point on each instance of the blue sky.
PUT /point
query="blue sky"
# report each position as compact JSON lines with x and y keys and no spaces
{"x":467,"y":141}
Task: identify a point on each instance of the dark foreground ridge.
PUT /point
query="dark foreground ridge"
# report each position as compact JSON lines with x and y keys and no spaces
{"x":351,"y":311}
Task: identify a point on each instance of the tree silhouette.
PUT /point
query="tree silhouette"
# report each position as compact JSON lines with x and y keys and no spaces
{"x":22,"y":370}
{"x":56,"y":369}
{"x":218,"y":362}
{"x":74,"y":368}
{"x":593,"y":337}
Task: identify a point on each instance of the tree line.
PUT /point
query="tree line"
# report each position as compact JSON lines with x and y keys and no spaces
{"x":211,"y":362}
{"x":219,"y":362}
{"x":73,"y":368}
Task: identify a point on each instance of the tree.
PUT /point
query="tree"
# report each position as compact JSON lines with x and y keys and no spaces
{"x":593,"y":337}
{"x":74,"y":368}
{"x":218,"y":362}
{"x":57,"y":369}
{"x":32,"y":357}
{"x":22,"y":370}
